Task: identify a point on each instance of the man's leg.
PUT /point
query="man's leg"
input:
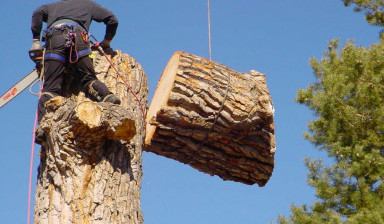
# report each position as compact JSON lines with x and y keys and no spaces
{"x":53,"y":81}
{"x":89,"y":80}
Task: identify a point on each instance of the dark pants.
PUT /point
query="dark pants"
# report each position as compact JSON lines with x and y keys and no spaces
{"x":54,"y":67}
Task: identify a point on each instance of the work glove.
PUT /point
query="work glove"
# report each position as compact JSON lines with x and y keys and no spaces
{"x":36,"y":56}
{"x":36,"y":45}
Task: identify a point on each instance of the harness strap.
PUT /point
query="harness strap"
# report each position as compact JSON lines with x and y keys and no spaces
{"x":55,"y":56}
{"x":69,"y":25}
{"x":83,"y":52}
{"x":61,"y":26}
{"x":63,"y":59}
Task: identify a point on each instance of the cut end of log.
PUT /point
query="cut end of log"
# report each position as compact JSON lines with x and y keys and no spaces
{"x":125,"y":131}
{"x":89,"y":113}
{"x":213,"y":118}
{"x":162,"y":93}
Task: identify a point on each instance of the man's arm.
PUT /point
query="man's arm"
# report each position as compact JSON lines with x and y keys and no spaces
{"x":39,"y":16}
{"x":100,"y":14}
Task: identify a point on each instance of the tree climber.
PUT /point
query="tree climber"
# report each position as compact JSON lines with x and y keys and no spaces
{"x":67,"y":42}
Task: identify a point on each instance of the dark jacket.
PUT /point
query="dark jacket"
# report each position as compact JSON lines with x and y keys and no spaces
{"x":81,"y":11}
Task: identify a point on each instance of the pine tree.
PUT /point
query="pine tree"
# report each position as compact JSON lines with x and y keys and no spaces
{"x":374,"y":10}
{"x":347,"y":99}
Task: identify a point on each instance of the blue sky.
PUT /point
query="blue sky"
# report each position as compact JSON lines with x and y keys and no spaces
{"x":276,"y":38}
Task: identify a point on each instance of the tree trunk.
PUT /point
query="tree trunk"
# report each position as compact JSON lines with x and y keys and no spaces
{"x":90,"y":170}
{"x":214,"y":119}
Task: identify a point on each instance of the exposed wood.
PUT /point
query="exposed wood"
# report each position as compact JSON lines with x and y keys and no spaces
{"x":213,"y":118}
{"x":90,"y":170}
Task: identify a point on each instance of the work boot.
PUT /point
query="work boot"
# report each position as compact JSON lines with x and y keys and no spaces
{"x":40,"y":136}
{"x":100,"y":91}
{"x":111,"y":99}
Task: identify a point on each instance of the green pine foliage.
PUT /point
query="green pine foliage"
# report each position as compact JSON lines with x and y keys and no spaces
{"x":374,"y":10}
{"x":347,"y":99}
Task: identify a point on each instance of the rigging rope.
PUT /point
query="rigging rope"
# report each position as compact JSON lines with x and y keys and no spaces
{"x":217,"y":115}
{"x":209,"y":31}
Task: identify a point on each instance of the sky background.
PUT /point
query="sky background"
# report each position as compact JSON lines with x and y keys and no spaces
{"x":276,"y":38}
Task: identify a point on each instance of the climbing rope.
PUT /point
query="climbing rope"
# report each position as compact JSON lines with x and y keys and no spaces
{"x":31,"y":169}
{"x":40,"y":80}
{"x":97,"y":45}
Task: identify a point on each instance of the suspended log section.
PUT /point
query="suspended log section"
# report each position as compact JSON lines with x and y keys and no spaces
{"x":213,"y":118}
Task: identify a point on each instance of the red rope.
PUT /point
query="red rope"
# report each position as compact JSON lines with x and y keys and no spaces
{"x":96,"y":44}
{"x":32,"y":154}
{"x":31,"y":169}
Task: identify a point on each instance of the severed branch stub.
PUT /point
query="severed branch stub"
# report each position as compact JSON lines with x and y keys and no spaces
{"x":213,"y":118}
{"x":88,"y":122}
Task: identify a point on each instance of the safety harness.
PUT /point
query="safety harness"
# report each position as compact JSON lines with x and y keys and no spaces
{"x":70,"y":41}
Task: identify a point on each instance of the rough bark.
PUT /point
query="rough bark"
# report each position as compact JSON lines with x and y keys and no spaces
{"x":90,"y":169}
{"x":213,"y":118}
